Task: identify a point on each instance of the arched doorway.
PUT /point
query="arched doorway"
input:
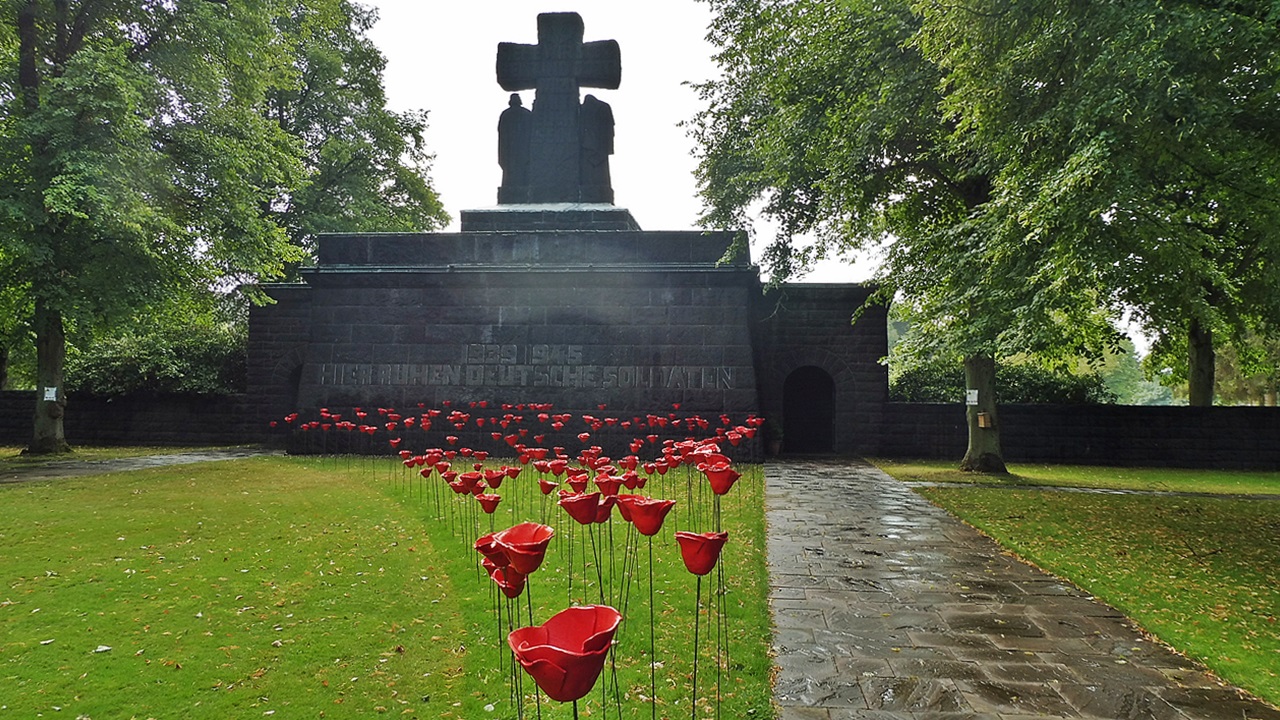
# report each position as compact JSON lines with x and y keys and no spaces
{"x":808,"y":411}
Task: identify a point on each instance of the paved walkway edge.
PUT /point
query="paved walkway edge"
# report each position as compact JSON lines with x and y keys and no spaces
{"x":887,"y":607}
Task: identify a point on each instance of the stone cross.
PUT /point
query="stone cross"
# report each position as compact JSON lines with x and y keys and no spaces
{"x":557,"y":68}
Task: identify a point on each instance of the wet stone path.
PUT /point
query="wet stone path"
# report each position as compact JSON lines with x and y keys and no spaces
{"x":886,"y":607}
{"x":78,"y":468}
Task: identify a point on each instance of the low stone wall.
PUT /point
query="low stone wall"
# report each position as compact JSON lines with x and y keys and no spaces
{"x":1216,"y":437}
{"x":155,"y":420}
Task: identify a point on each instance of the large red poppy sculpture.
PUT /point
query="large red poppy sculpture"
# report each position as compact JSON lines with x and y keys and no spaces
{"x":645,"y":513}
{"x":565,"y":655}
{"x":721,"y":475}
{"x":700,"y":551}
{"x":525,"y":545}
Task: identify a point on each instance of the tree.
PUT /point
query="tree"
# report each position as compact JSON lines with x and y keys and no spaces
{"x":831,"y":121}
{"x":135,"y":159}
{"x":155,"y":153}
{"x":1138,"y":142}
{"x":366,"y":166}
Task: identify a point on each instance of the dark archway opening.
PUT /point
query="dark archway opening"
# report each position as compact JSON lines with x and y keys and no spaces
{"x":808,"y":411}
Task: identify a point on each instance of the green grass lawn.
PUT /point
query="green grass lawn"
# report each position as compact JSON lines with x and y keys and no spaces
{"x":1237,"y":482}
{"x":307,"y":588}
{"x":1202,"y":574}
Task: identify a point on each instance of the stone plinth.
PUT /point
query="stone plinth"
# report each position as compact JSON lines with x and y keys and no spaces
{"x":551,"y":216}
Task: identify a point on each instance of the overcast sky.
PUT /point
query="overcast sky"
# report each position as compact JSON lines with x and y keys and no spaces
{"x":441,"y":58}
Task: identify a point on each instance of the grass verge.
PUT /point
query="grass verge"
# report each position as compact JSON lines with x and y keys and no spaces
{"x":1200,"y":573}
{"x":1226,"y":482}
{"x":325,"y":588}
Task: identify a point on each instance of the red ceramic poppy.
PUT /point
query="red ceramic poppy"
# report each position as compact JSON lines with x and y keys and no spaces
{"x":647,"y":513}
{"x":509,"y":580}
{"x":495,"y":477}
{"x":473,"y":480}
{"x":700,"y":551}
{"x":624,"y":505}
{"x":525,"y":545}
{"x":489,"y":502}
{"x":493,"y":553}
{"x":581,"y":506}
{"x":608,"y":484}
{"x":579,"y":482}
{"x":547,"y":486}
{"x":604,"y":508}
{"x":722,"y":477}
{"x":565,"y":655}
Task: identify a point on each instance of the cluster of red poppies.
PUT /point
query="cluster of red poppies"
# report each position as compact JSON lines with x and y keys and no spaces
{"x":565,"y":654}
{"x":510,"y":424}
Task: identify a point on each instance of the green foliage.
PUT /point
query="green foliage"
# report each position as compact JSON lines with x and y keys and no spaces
{"x":831,"y":120}
{"x":150,"y":148}
{"x":1029,"y":173}
{"x":943,"y":382}
{"x":365,"y":166}
{"x":194,"y":360}
{"x":1133,"y":143}
{"x":1248,"y":373}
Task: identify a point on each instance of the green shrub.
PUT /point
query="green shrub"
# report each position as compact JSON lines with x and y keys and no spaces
{"x":193,"y":360}
{"x":943,"y":382}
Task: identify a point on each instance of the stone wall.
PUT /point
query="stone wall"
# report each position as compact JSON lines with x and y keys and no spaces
{"x":577,"y":318}
{"x":809,"y":326}
{"x":1217,"y":437}
{"x":278,"y":337}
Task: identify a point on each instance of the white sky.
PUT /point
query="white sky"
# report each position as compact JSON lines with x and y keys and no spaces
{"x":441,"y":57}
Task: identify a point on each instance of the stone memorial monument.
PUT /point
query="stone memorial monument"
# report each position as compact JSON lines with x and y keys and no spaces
{"x":557,"y":296}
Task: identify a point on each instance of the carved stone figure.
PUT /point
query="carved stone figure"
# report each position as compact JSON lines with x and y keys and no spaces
{"x":515,"y":127}
{"x":595,"y":127}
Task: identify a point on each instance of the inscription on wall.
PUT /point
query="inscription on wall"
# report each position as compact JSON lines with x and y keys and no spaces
{"x":562,"y":366}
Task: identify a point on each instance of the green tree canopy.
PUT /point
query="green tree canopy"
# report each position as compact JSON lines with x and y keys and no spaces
{"x":1137,"y":143}
{"x":151,"y":148}
{"x":831,"y":121}
{"x":366,"y":166}
{"x":1029,"y":173}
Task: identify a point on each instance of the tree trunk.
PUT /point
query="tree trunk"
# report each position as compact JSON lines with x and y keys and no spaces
{"x":1200,"y":370}
{"x":4,"y":367}
{"x":983,"y":454}
{"x":51,"y":352}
